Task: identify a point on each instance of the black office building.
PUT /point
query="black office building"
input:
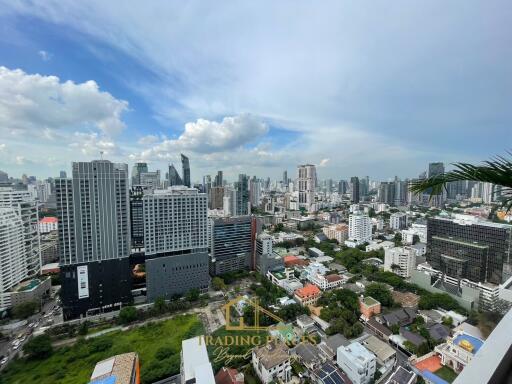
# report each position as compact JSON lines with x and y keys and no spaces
{"x":232,"y":245}
{"x":470,"y":249}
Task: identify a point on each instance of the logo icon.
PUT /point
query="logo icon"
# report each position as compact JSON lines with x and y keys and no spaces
{"x":241,"y":302}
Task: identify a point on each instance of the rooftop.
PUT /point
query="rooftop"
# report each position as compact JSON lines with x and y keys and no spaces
{"x":307,"y":290}
{"x":382,"y":350}
{"x":332,"y":278}
{"x":48,"y":220}
{"x":369,"y":301}
{"x":195,"y":359}
{"x":401,"y":376}
{"x":116,"y":369}
{"x":272,"y":354}
{"x":468,"y":342}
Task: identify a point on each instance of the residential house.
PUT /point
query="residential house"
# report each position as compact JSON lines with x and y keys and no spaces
{"x":271,"y":362}
{"x":308,"y":295}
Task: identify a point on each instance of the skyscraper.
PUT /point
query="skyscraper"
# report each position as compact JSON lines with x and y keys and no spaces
{"x":174,"y":176}
{"x":254,"y":191}
{"x":306,"y":180}
{"x":218,"y":181}
{"x":176,"y":242}
{"x":137,"y":215}
{"x":137,"y":169}
{"x":285,"y":179}
{"x":387,"y":192}
{"x":150,"y":179}
{"x":185,"y":164}
{"x":94,"y":238}
{"x":434,"y":169}
{"x":342,"y":187}
{"x":354,"y":181}
{"x":231,"y":246}
{"x":242,"y":203}
{"x":26,"y":208}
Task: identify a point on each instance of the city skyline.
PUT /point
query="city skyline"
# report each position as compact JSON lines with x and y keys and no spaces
{"x":85,"y":84}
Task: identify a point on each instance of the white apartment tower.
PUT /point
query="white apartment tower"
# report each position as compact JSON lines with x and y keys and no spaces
{"x":13,"y":263}
{"x":26,"y":208}
{"x":306,"y":185}
{"x":400,"y":260}
{"x":359,"y":228}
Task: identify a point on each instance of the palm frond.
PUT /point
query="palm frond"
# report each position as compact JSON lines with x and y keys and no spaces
{"x":497,"y":171}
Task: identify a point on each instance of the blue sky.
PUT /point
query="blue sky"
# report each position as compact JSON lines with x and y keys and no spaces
{"x":364,"y":88}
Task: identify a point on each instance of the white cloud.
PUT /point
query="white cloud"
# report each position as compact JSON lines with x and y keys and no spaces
{"x":92,"y":144}
{"x":20,"y":160}
{"x":323,"y":162}
{"x":206,"y":137}
{"x":2,"y":147}
{"x":40,"y":105}
{"x":45,"y":56}
{"x":149,"y":139}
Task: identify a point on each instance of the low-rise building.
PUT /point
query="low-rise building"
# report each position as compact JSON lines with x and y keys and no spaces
{"x":328,"y":373}
{"x":368,"y":307}
{"x":398,"y":220}
{"x":308,"y":295}
{"x":406,"y":299}
{"x":385,"y":354}
{"x":271,"y":362}
{"x":402,"y":316}
{"x":119,"y":369}
{"x":326,"y":282}
{"x":308,"y":354}
{"x":357,"y":362}
{"x":338,"y":232}
{"x":48,"y":224}
{"x":376,"y":245}
{"x":229,"y":376}
{"x":315,"y":252}
{"x":459,"y":350}
{"x":305,"y":322}
{"x":402,"y":376}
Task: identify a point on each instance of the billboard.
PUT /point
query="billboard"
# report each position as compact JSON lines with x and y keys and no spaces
{"x":83,"y":281}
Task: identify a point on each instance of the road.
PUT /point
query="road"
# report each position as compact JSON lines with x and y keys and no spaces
{"x":46,"y":317}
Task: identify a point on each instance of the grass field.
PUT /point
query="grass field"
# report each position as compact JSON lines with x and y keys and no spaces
{"x":446,"y":373}
{"x":74,"y":364}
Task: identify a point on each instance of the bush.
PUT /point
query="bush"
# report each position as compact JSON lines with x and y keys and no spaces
{"x":24,"y":310}
{"x":380,"y":293}
{"x":100,"y":345}
{"x":164,"y":352}
{"x":38,"y":347}
{"x":128,"y":315}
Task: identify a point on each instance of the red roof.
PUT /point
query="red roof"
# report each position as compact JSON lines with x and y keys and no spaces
{"x":308,"y":290}
{"x":228,"y":376}
{"x":48,"y":220}
{"x":332,"y":278}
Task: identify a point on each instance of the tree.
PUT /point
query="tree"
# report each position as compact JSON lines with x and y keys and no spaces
{"x":39,"y":347}
{"x":395,"y":328}
{"x":448,"y":321}
{"x":24,"y":310}
{"x":160,"y":306}
{"x":380,"y":293}
{"x":83,"y":329}
{"x":497,"y":171}
{"x":128,"y":315}
{"x":395,"y":267}
{"x":398,"y":239}
{"x":218,"y":284}
{"x":192,"y":295}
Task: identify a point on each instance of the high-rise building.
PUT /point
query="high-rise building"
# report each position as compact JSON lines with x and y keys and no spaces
{"x":359,"y":228}
{"x":173,"y":176}
{"x":398,"y":220}
{"x":242,"y":201}
{"x":434,"y":169}
{"x":176,"y":242}
{"x":254,"y":191}
{"x":150,"y":179}
{"x":185,"y":165}
{"x":13,"y":266}
{"x":137,"y":169}
{"x":216,"y":198}
{"x":94,"y":238}
{"x":465,"y":247}
{"x":342,"y":187}
{"x":4,"y":177}
{"x":387,"y":192}
{"x":400,"y":193}
{"x":265,"y":258}
{"x":232,"y":246}
{"x":218,"y":181}
{"x":285,"y":179}
{"x":137,"y":215}
{"x":307,"y":181}
{"x":354,"y":181}
{"x":26,"y":207}
{"x":62,"y":174}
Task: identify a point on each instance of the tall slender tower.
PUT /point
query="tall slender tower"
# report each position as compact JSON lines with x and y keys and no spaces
{"x":138,"y":168}
{"x":185,"y":164}
{"x":355,"y":189}
{"x":307,"y":185}
{"x":94,"y":238}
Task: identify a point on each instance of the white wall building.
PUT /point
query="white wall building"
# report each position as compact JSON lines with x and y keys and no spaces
{"x":416,"y":229}
{"x":338,"y":232}
{"x":271,"y":362}
{"x":357,"y":362}
{"x":359,"y":228}
{"x":306,"y":181}
{"x":195,"y":364}
{"x":398,"y":220}
{"x":48,"y":224}
{"x":404,"y":257}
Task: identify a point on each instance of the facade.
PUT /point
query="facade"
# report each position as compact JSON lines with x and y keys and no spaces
{"x":150,"y":179}
{"x":385,"y":354}
{"x":176,"y":241}
{"x":338,"y":232}
{"x":271,"y":362}
{"x":326,"y":282}
{"x":368,"y":307}
{"x":173,"y":176}
{"x":242,"y":204}
{"x":306,"y":185}
{"x":266,"y":259}
{"x":419,"y":230}
{"x":355,"y":197}
{"x":357,"y":362}
{"x":398,"y":221}
{"x":400,"y":260}
{"x":359,"y":228}
{"x":26,"y":208}
{"x":466,"y":247}
{"x":195,"y":364}
{"x":119,"y":369}
{"x":48,"y":224}
{"x":185,"y":165}
{"x":94,"y":238}
{"x":137,"y":215}
{"x":308,"y":295}
{"x":13,"y":266}
{"x":49,"y":248}
{"x":216,"y":197}
{"x":232,"y":246}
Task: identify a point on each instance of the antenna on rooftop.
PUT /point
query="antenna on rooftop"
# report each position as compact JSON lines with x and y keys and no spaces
{"x":101,"y":155}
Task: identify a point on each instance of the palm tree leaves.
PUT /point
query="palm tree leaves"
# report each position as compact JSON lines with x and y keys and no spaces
{"x":497,"y":171}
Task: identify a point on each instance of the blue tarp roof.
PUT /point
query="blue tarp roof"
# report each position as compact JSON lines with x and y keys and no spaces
{"x":433,"y":377}
{"x":476,"y":343}
{"x":106,"y":380}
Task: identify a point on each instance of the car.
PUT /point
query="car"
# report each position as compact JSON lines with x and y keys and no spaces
{"x":22,"y":339}
{"x":4,"y":360}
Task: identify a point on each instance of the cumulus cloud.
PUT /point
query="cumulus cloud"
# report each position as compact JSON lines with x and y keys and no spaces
{"x":92,"y":144}
{"x":149,"y":139}
{"x":45,"y":55}
{"x":323,"y":162}
{"x":206,"y":136}
{"x":42,"y":104}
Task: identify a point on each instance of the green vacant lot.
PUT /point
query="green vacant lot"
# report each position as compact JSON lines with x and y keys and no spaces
{"x":446,"y":373}
{"x":158,"y":346}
